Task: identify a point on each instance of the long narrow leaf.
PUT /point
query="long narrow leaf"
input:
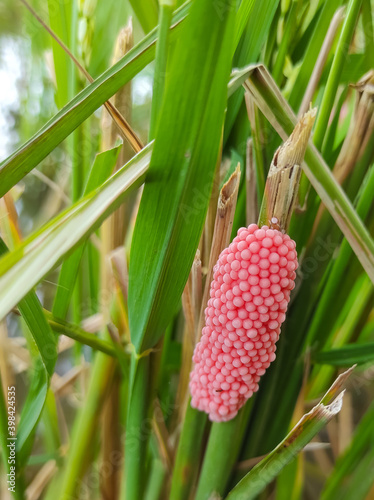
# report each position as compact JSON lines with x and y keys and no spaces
{"x":44,"y":351}
{"x":178,"y":185}
{"x":175,"y":199}
{"x":22,"y":161}
{"x":263,"y":473}
{"x":132,"y":172}
{"x":347,"y":355}
{"x":23,"y":268}
{"x":102,"y":167}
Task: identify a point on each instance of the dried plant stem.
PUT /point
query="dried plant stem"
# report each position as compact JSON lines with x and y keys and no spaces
{"x":191,"y":302}
{"x":284,"y":176}
{"x":188,"y":309}
{"x":110,"y":473}
{"x":64,"y":384}
{"x":196,"y":275}
{"x":359,"y":134}
{"x":162,"y":436}
{"x":346,"y":424}
{"x":251,"y":189}
{"x":6,"y":371}
{"x":360,"y":129}
{"x":113,"y":234}
{"x":278,"y":202}
{"x":40,"y":481}
{"x":222,"y":232}
{"x":321,"y":60}
{"x":207,"y":236}
{"x":113,"y":229}
{"x":188,"y":453}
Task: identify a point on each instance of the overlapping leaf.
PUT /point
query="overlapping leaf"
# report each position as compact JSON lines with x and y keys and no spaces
{"x":179,"y":181}
{"x":23,"y":268}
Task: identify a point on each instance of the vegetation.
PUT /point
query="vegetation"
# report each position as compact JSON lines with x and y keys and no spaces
{"x":145,"y":134}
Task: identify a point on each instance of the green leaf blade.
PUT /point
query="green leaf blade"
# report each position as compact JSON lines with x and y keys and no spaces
{"x":101,"y":169}
{"x":183,"y":162}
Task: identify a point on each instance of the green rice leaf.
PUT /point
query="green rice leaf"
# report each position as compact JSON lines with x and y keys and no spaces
{"x":347,"y":355}
{"x":258,"y":15}
{"x":101,"y":169}
{"x":23,"y":268}
{"x":352,"y":476}
{"x":44,"y":354}
{"x":146,"y":12}
{"x":178,"y":184}
{"x":22,"y":161}
{"x":310,"y":424}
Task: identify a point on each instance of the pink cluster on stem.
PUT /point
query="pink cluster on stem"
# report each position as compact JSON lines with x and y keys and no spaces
{"x":249,"y":296}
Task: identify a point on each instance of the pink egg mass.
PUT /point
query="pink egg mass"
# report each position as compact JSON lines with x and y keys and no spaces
{"x":249,"y":295}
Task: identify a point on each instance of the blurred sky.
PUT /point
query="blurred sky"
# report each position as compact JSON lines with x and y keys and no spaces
{"x":10,"y":75}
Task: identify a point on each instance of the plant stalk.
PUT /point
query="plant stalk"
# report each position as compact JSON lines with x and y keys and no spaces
{"x":281,"y":187}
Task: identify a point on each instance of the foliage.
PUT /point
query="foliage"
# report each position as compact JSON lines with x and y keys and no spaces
{"x":105,"y":250}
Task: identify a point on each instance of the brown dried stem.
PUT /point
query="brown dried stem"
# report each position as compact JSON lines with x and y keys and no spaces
{"x":113,"y":234}
{"x":193,"y":305}
{"x":283,"y":179}
{"x":197,"y":290}
{"x":360,"y":130}
{"x":41,"y":480}
{"x":207,"y":236}
{"x":188,"y":309}
{"x":222,"y":233}
{"x":250,"y":180}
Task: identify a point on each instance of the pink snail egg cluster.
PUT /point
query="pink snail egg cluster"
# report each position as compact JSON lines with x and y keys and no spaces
{"x":249,"y":295}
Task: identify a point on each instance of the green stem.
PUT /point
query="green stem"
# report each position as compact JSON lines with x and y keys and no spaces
{"x":86,"y":338}
{"x":85,"y":427}
{"x":356,"y":304}
{"x":331,"y":88}
{"x":257,"y":132}
{"x":321,"y":315}
{"x":137,"y":429}
{"x":335,"y":72}
{"x":156,"y":481}
{"x":50,"y":421}
{"x":188,"y":455}
{"x":166,"y":13}
{"x":330,"y":192}
{"x":312,"y":51}
{"x":265,"y":471}
{"x":367,"y":24}
{"x":284,"y":45}
{"x":349,"y":461}
{"x":225,"y":441}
